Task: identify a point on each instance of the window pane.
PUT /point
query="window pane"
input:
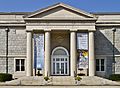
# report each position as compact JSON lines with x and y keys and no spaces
{"x":17,"y":65}
{"x":97,"y":68}
{"x":57,"y":59}
{"x":65,"y":59}
{"x":102,"y":68}
{"x":17,"y":62}
{"x":22,"y":65}
{"x":22,"y":68}
{"x":97,"y":64}
{"x":57,"y":68}
{"x":17,"y":68}
{"x":53,"y":68}
{"x":22,"y":62}
{"x":62,"y":59}
{"x":102,"y":62}
{"x":62,"y":68}
{"x":65,"y":68}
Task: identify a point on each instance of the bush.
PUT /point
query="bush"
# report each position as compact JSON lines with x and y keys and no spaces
{"x":78,"y":78}
{"x":115,"y":77}
{"x":5,"y":77}
{"x":46,"y":78}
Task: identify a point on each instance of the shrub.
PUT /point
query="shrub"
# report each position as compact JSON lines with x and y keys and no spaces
{"x":78,"y":78}
{"x":5,"y":77}
{"x":115,"y":77}
{"x":46,"y":78}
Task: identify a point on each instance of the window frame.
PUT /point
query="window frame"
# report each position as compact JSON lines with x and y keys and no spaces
{"x":100,"y":70}
{"x":19,"y":64}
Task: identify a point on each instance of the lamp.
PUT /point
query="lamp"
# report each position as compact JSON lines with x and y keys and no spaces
{"x":7,"y":30}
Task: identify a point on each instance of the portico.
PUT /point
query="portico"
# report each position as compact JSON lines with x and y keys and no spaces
{"x":60,"y":30}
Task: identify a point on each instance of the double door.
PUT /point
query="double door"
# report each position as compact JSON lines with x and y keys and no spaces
{"x":60,"y":65}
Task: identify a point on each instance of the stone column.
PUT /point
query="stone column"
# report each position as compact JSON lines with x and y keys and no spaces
{"x":91,"y":54}
{"x":29,"y":69}
{"x":73,"y":58}
{"x":47,"y":53}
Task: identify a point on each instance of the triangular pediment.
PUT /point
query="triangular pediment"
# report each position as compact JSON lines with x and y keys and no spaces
{"x":60,"y":10}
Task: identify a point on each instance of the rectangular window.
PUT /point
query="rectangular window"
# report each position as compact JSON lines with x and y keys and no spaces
{"x":20,"y":65}
{"x":100,"y":65}
{"x":97,"y":65}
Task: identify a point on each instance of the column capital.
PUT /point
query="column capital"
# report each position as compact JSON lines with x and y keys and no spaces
{"x":29,"y":31}
{"x":47,"y":29}
{"x":91,"y":30}
{"x":73,"y":30}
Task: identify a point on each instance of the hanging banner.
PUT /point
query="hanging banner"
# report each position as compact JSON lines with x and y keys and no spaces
{"x":83,"y":59}
{"x":82,"y":41}
{"x":82,"y":46}
{"x":38,"y":51}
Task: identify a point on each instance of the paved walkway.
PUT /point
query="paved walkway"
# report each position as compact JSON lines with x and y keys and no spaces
{"x":59,"y":86}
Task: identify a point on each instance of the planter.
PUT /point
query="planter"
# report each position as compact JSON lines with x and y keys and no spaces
{"x":77,"y":80}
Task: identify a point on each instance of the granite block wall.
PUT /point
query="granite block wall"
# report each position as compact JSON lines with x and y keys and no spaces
{"x":104,"y":48}
{"x":16,"y":47}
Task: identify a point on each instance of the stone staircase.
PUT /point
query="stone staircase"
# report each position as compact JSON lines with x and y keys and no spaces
{"x":94,"y":80}
{"x":61,"y":80}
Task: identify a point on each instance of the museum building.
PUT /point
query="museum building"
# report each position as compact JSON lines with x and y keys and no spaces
{"x":60,"y":40}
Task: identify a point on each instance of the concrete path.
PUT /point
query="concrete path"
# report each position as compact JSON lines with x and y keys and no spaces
{"x":59,"y":86}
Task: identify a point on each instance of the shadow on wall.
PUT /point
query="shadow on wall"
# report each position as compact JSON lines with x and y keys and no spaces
{"x":103,"y":46}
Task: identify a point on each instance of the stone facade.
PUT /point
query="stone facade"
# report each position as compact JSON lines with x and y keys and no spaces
{"x":16,"y":47}
{"x":59,"y":23}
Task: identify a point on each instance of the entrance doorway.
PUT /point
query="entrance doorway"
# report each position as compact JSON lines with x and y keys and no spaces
{"x":60,"y":61}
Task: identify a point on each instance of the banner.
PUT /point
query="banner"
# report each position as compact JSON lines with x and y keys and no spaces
{"x":38,"y":51}
{"x":82,"y":41}
{"x":83,"y":59}
{"x":82,"y":46}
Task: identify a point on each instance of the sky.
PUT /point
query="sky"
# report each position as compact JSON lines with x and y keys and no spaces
{"x":33,"y":5}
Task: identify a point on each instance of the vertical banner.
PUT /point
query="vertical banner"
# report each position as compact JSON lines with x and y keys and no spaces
{"x":38,"y":51}
{"x":82,"y":46}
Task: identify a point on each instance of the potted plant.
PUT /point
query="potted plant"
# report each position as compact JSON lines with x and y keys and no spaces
{"x":46,"y":78}
{"x":78,"y":79}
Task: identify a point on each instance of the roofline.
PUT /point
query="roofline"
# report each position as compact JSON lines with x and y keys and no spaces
{"x":15,"y":13}
{"x":25,"y":13}
{"x":57,"y":5}
{"x":105,"y":13}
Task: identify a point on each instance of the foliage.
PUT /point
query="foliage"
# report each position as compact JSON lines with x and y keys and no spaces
{"x":78,"y":78}
{"x":46,"y":78}
{"x":5,"y":77}
{"x":115,"y":77}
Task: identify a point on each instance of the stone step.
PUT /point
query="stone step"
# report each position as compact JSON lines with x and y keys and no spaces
{"x":62,"y":80}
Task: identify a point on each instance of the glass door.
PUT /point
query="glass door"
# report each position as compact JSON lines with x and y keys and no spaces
{"x":60,"y":66}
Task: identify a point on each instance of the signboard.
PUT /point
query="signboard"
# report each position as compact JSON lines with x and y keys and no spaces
{"x":82,"y":41}
{"x":82,"y":46}
{"x":38,"y":51}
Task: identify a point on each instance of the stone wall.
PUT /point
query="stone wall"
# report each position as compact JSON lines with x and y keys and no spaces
{"x":16,"y":47}
{"x":60,"y":39}
{"x":104,"y":48}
